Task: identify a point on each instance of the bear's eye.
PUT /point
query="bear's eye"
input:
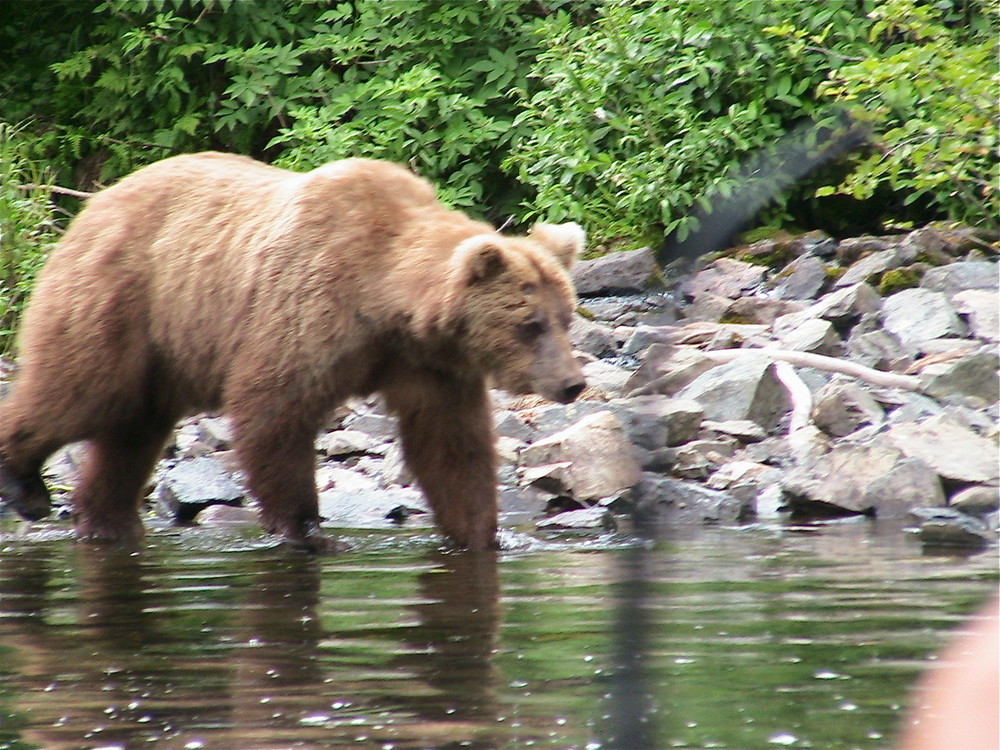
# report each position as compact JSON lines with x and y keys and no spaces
{"x":531,"y":329}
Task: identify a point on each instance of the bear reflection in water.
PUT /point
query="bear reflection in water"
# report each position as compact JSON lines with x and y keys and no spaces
{"x":214,"y":282}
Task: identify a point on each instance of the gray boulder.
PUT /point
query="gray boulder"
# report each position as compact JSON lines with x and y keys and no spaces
{"x":979,"y":500}
{"x":746,"y":388}
{"x":956,"y":277}
{"x":975,"y":375}
{"x":872,"y":479}
{"x":597,"y":518}
{"x":594,"y":458}
{"x":191,"y":485}
{"x":803,"y":279}
{"x":870,"y":266}
{"x":919,"y":315}
{"x":372,"y":509}
{"x":953,"y":450}
{"x":726,"y":278}
{"x":843,"y":406}
{"x":662,"y":502}
{"x":627,"y":271}
{"x":981,"y":308}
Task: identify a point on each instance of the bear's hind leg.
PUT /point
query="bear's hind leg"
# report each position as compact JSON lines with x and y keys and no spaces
{"x":26,"y":493}
{"x":106,"y":504}
{"x":23,"y":450}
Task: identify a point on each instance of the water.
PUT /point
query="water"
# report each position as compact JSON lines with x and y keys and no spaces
{"x":762,"y":637}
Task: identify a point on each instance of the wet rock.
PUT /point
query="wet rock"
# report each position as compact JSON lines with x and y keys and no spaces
{"x":757,"y":310}
{"x":347,"y":442}
{"x":837,"y":482}
{"x":803,"y":279}
{"x":627,"y":271}
{"x":869,"y":267}
{"x":700,"y":458}
{"x":380,"y":427}
{"x":372,"y":510}
{"x":915,"y":407}
{"x":981,"y":308}
{"x":813,"y":335}
{"x":746,"y":388}
{"x":918,"y":315}
{"x":346,"y":480}
{"x":980,"y":500}
{"x":593,"y":338}
{"x":646,"y":309}
{"x":522,"y":504}
{"x":190,"y":486}
{"x":975,"y":375}
{"x":737,"y":473}
{"x":64,"y":468}
{"x":726,"y":278}
{"x":662,"y":502}
{"x":226,"y":516}
{"x":547,"y":419}
{"x":909,"y":484}
{"x":707,"y":307}
{"x":596,"y":518}
{"x":606,"y":378}
{"x":597,"y":456}
{"x":394,"y":469}
{"x":845,"y":306}
{"x":953,"y":450}
{"x":645,"y":420}
{"x":512,"y":425}
{"x":870,"y":345}
{"x":742,"y":429}
{"x":957,"y":277}
{"x":667,"y":369}
{"x":841,"y":407}
{"x":643,"y":338}
{"x":851,"y":249}
{"x":947,"y":527}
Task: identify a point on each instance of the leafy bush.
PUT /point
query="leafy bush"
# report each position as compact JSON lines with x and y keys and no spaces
{"x":427,"y":84}
{"x":648,"y":110}
{"x":930,"y":96}
{"x":28,"y":229}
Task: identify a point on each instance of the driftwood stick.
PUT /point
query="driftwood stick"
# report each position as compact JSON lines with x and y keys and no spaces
{"x":799,"y":393}
{"x":58,"y":190}
{"x":822,"y":362}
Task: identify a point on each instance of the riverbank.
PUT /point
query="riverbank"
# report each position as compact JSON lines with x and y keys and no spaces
{"x":796,"y":377}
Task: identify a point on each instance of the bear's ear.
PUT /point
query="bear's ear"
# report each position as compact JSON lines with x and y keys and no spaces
{"x":479,"y":259}
{"x":565,"y":241}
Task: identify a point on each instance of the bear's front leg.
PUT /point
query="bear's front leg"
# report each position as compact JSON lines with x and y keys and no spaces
{"x":446,"y":425}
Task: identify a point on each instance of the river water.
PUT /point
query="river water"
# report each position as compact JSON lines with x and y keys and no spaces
{"x":753,"y":637}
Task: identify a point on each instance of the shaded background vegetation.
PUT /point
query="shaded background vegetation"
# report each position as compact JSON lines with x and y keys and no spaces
{"x":623,"y":114}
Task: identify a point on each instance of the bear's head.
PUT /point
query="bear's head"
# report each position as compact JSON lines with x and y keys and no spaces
{"x":515,"y":305}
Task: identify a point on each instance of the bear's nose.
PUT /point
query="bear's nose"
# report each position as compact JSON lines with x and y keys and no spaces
{"x":569,"y":393}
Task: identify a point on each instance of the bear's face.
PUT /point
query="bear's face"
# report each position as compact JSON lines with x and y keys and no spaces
{"x":517,"y":306}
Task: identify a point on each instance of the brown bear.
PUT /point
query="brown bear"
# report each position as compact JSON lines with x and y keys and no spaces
{"x":213,"y":282}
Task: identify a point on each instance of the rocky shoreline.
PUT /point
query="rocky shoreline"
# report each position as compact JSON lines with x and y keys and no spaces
{"x":796,"y":377}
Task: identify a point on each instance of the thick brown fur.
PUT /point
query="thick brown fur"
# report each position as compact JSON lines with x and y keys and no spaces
{"x":215,"y":282}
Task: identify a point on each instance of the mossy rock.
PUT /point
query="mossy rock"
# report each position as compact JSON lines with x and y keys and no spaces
{"x":898,"y":279}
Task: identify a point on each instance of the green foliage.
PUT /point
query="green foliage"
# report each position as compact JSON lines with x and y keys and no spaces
{"x":645,"y":112}
{"x":627,"y":115}
{"x":426,"y":84}
{"x":929,"y":93}
{"x":158,"y":78}
{"x":28,"y":229}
